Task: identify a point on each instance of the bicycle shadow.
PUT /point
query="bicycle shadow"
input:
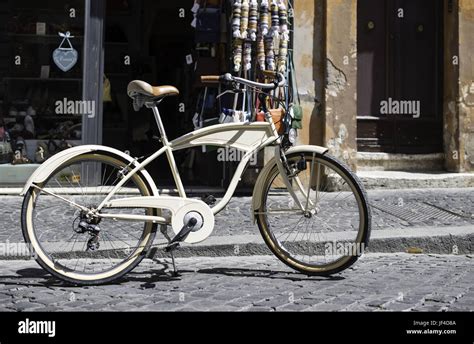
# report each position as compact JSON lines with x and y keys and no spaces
{"x":164,"y":274}
{"x":31,"y":277}
{"x":37,"y":277}
{"x":270,"y":274}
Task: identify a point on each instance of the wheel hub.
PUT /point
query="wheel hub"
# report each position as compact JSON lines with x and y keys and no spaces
{"x":313,"y":212}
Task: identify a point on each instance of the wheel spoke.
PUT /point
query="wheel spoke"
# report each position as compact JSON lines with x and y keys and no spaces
{"x":309,"y":184}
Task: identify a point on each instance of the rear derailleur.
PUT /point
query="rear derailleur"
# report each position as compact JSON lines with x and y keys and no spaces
{"x":89,"y":225}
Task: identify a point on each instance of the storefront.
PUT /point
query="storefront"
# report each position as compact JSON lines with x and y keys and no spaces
{"x":70,"y":89}
{"x":32,"y":124}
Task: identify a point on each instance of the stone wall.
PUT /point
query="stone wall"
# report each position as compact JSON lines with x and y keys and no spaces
{"x":459,"y":86}
{"x":451,"y":89}
{"x":326,"y":62}
{"x":341,"y":80}
{"x":309,"y":62}
{"x":466,"y":80}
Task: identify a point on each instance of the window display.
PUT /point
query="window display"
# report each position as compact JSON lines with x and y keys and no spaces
{"x":40,"y":67}
{"x":49,"y":100}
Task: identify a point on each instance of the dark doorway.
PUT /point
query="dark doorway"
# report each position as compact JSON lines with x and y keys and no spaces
{"x":400,"y":69}
{"x":153,"y":41}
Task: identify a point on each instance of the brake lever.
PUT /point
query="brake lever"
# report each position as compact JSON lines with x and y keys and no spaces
{"x":229,"y":92}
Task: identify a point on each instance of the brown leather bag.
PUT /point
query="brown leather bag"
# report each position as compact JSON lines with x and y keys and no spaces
{"x":278,"y":116}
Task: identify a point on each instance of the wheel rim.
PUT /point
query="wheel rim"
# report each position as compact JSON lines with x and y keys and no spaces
{"x":54,"y":238}
{"x":317,"y":238}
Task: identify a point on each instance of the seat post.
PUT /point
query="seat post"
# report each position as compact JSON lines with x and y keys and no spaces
{"x":169,"y":150}
{"x":161,"y":127}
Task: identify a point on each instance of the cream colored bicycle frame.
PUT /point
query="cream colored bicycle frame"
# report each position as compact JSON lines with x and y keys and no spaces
{"x":246,"y":137}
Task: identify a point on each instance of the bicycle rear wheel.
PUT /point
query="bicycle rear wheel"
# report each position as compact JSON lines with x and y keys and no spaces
{"x":330,"y":230}
{"x":56,"y":230}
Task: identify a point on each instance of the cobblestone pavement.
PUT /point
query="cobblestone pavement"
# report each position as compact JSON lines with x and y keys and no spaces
{"x":391,"y":282}
{"x":236,"y":220}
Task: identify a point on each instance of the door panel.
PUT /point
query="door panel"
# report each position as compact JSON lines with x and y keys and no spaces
{"x":372,"y":27}
{"x":399,"y":58}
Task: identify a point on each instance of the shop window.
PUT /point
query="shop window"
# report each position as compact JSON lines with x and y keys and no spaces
{"x":41,"y":82}
{"x":155,"y":41}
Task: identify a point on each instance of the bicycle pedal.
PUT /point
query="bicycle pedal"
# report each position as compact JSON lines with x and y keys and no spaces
{"x":209,"y":200}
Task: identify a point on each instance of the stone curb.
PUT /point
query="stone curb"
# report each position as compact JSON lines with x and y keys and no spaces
{"x":450,"y":240}
{"x":391,"y":180}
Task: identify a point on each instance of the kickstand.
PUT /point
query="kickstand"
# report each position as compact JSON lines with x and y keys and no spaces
{"x":163,"y":230}
{"x":175,"y":270}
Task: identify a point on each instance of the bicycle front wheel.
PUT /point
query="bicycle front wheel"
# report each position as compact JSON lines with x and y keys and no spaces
{"x":69,"y":246}
{"x":323,"y":226}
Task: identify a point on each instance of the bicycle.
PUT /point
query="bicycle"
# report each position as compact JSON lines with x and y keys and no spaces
{"x":100,"y":225}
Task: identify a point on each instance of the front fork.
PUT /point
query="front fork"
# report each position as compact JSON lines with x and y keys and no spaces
{"x":284,"y":169}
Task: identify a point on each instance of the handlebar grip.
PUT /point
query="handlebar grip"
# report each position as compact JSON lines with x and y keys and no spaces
{"x":211,"y":79}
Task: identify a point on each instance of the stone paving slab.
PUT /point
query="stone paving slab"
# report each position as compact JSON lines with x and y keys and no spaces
{"x":377,"y":282}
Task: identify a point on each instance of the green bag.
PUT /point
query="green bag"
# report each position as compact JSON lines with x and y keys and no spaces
{"x":297,"y":122}
{"x":296,"y":109}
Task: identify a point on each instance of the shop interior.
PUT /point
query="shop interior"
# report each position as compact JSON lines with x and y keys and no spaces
{"x":160,"y":42}
{"x":163,"y":49}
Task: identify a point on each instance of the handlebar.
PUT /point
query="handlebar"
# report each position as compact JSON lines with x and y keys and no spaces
{"x":229,"y":78}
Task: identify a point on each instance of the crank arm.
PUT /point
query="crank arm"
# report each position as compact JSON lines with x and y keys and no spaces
{"x":181,"y":236}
